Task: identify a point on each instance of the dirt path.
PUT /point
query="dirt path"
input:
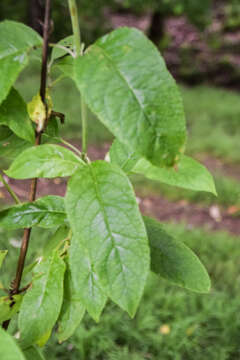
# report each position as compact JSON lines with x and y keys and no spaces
{"x":210,"y":218}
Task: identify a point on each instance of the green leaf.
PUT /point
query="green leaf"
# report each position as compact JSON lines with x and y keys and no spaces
{"x":10,"y":68}
{"x":86,"y":282}
{"x":72,"y":310}
{"x":46,"y":161}
{"x":43,"y":301}
{"x":7,"y":310}
{"x":11,"y":145}
{"x":59,"y":52}
{"x":33,"y":353}
{"x":66,"y":66}
{"x":47,"y":212}
{"x":122,"y":156}
{"x":174,"y":261}
{"x":16,"y":41}
{"x":3,"y":253}
{"x":13,"y":113}
{"x":9,"y":350}
{"x":189,"y":174}
{"x":52,"y":129}
{"x":111,"y":231}
{"x":5,"y":132}
{"x":59,"y":236}
{"x":125,"y":82}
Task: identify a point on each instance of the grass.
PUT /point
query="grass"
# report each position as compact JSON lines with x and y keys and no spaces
{"x":198,"y":326}
{"x":213,"y":121}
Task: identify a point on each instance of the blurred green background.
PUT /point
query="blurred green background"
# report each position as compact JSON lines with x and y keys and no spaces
{"x":200,"y":41}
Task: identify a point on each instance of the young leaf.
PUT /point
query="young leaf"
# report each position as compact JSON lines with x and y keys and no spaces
{"x":9,"y":350}
{"x":66,"y":66}
{"x":174,"y":261}
{"x":3,"y":253}
{"x":122,"y":156}
{"x":86,"y":283}
{"x":43,"y":301}
{"x":46,"y":161}
{"x":111,"y":230}
{"x":16,"y":40}
{"x":189,"y":174}
{"x":125,"y":82}
{"x":52,"y":129}
{"x":33,"y":353}
{"x":72,"y":309}
{"x":47,"y":212}
{"x":6,"y":309}
{"x":13,"y":113}
{"x":37,"y":111}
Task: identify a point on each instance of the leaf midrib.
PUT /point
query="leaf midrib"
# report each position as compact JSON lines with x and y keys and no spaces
{"x":130,"y":88}
{"x":106,"y":221}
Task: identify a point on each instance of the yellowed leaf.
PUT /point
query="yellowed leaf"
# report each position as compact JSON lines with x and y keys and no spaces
{"x":37,"y":111}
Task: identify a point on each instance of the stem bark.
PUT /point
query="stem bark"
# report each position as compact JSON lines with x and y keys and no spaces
{"x":32,"y":195}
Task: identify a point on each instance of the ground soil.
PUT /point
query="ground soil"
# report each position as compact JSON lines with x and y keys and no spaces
{"x":193,"y":215}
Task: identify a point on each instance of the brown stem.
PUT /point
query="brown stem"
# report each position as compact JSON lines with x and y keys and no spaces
{"x":32,"y":195}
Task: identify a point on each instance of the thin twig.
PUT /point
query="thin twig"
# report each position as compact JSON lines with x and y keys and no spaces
{"x":79,"y":52}
{"x":71,"y":147}
{"x":27,"y":232}
{"x":67,"y":49}
{"x":10,"y":190}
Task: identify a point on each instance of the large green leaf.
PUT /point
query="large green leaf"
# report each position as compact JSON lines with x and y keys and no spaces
{"x":122,"y":156}
{"x":125,"y":82}
{"x":86,"y":283}
{"x":105,"y":219}
{"x":72,"y":310}
{"x":8,"y":347}
{"x":33,"y":353}
{"x":42,"y":303}
{"x":47,"y":212}
{"x":3,"y":253}
{"x":7,"y":310}
{"x":46,"y":161}
{"x":16,"y":41}
{"x":13,"y":113}
{"x":174,"y":261}
{"x":189,"y":174}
